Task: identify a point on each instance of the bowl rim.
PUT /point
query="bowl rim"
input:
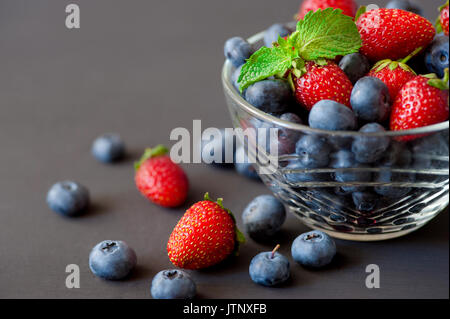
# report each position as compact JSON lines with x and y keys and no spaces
{"x":243,"y":104}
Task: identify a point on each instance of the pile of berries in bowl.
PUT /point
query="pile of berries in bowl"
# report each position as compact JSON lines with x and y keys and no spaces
{"x":360,"y":147}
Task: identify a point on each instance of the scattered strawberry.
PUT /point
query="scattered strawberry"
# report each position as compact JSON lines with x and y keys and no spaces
{"x":422,"y":101}
{"x":394,"y":74}
{"x":204,"y":236}
{"x":393,"y":33}
{"x":322,"y":82}
{"x":442,"y":21}
{"x":161,"y":180}
{"x":348,"y":7}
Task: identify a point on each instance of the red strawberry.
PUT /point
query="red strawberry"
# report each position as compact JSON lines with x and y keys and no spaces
{"x":161,"y":180}
{"x":443,"y":18}
{"x":394,"y":74}
{"x":422,"y":101}
{"x":348,"y":7}
{"x":322,"y":82}
{"x":393,"y":33}
{"x":204,"y":236}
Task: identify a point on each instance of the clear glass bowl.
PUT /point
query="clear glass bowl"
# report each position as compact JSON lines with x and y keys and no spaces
{"x":322,"y":198}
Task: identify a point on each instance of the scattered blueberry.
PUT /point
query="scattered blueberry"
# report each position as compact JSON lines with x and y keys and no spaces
{"x":242,"y":164}
{"x":333,"y":116}
{"x":313,"y":151}
{"x":108,"y":148}
{"x":237,"y":50}
{"x":368,"y":149}
{"x":355,"y":66}
{"x":406,"y":5}
{"x":365,"y":201}
{"x":436,"y":55}
{"x":271,"y":96}
{"x":346,"y":159}
{"x":173,"y":284}
{"x":263,"y":217}
{"x":313,"y":249}
{"x":269,"y":268}
{"x":112,"y":259}
{"x":387,"y":176}
{"x":68,"y":198}
{"x":224,"y":143}
{"x":274,"y":32}
{"x":370,"y":99}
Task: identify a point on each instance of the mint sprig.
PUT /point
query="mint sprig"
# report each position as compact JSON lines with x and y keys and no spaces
{"x":321,"y":35}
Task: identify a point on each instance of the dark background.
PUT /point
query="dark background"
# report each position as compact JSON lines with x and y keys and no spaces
{"x":142,"y":68}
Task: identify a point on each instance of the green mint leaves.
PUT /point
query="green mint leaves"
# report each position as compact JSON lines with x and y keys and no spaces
{"x":323,"y":34}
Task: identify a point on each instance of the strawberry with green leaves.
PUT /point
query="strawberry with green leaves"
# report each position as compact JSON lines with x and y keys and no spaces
{"x":392,"y":33}
{"x":159,"y":179}
{"x":348,"y":7}
{"x":204,"y":236}
{"x":421,"y":102}
{"x":442,"y":20}
{"x":394,"y":74}
{"x":304,"y":57}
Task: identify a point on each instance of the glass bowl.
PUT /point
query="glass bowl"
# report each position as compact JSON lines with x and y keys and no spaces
{"x":391,"y":197}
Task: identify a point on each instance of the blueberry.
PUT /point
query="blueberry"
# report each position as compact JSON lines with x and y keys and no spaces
{"x":297,"y":177}
{"x":398,"y":155}
{"x":355,"y":66}
{"x":387,"y":176}
{"x":406,"y":5}
{"x":365,"y":201}
{"x":237,"y":50}
{"x":285,"y":143}
{"x":243,"y":165}
{"x":368,"y":149}
{"x":436,"y":56}
{"x":235,"y":77}
{"x":430,"y":151}
{"x":313,"y":249}
{"x":173,"y":284}
{"x":271,"y":96}
{"x":263,"y":217}
{"x":274,"y":32}
{"x":224,"y":143}
{"x":346,"y":159}
{"x":331,"y":115}
{"x":68,"y":198}
{"x":370,"y":99}
{"x":269,"y":268}
{"x":313,"y":151}
{"x":108,"y":148}
{"x":112,"y":259}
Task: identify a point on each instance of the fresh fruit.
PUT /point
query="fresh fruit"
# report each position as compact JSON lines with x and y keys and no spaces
{"x":355,"y":66}
{"x":237,"y":51}
{"x":348,"y":7}
{"x":370,"y":100}
{"x":269,"y":268}
{"x":406,"y":5}
{"x":442,"y":20}
{"x":173,"y":284}
{"x":394,"y":74}
{"x":369,"y":149}
{"x":68,"y":198}
{"x":243,"y":165}
{"x":112,"y":260}
{"x":345,"y":159}
{"x":436,"y":55}
{"x":397,"y":155}
{"x":313,"y":249}
{"x":108,"y":148}
{"x":422,"y":101}
{"x":224,"y":143}
{"x":204,"y":236}
{"x":388,"y":177}
{"x":285,"y":143}
{"x":274,"y":32}
{"x":332,"y":116}
{"x":365,"y":201}
{"x":322,"y":82}
{"x":313,"y":151}
{"x":393,"y":33}
{"x":295,"y":174}
{"x":430,"y":151}
{"x":159,"y":179}
{"x":263,"y":217}
{"x":271,"y":96}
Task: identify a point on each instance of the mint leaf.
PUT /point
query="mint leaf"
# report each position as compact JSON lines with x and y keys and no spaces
{"x":267,"y":62}
{"x":326,"y":34}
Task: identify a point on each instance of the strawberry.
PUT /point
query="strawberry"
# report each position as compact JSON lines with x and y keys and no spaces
{"x":394,"y":74}
{"x":422,"y":101}
{"x":442,"y":22}
{"x":204,"y":236}
{"x":322,"y":82}
{"x":393,"y":33}
{"x":161,"y":180}
{"x":348,"y":7}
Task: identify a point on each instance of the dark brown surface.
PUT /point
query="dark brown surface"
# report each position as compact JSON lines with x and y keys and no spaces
{"x":141,"y":68}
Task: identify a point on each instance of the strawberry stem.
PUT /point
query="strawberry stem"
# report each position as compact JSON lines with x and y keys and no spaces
{"x":411,"y":55}
{"x":441,"y":84}
{"x":158,"y":150}
{"x":274,"y":251}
